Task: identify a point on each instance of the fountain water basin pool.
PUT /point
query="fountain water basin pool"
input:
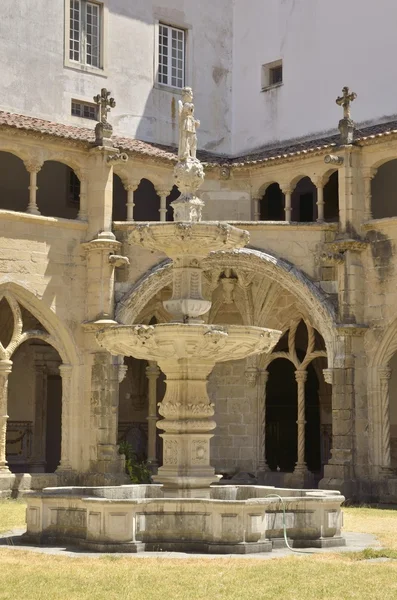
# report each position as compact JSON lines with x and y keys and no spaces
{"x":232,"y":520}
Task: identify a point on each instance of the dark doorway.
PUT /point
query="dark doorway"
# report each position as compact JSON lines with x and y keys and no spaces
{"x":331,"y":198}
{"x":281,"y":417}
{"x":306,"y":208}
{"x":53,"y":425}
{"x":272,"y":204}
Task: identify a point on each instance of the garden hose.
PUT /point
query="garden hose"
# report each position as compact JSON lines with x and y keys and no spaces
{"x":285,"y":526}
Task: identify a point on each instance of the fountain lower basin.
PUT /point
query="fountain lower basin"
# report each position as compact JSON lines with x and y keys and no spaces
{"x":136,"y":518}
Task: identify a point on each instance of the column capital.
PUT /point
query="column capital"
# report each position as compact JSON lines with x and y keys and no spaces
{"x":384,"y":373}
{"x":33,"y":166}
{"x":251,"y":376}
{"x":152,"y":370}
{"x":328,"y":375}
{"x":163,"y":192}
{"x":130,"y":185}
{"x":300,"y":376}
{"x":5,"y":367}
{"x":369,"y":172}
{"x":65,"y":370}
{"x":286,"y":188}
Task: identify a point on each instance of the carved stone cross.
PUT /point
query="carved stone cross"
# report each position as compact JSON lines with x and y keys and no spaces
{"x":345,"y":101}
{"x":105,"y":104}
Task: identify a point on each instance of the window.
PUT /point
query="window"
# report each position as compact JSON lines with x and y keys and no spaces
{"x":74,"y":189}
{"x":276,"y":75}
{"x":86,"y":110}
{"x":85,"y":33}
{"x":272,"y":75}
{"x":171,"y":69}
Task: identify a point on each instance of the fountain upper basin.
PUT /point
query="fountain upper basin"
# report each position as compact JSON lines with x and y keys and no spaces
{"x":168,"y":341}
{"x":181,"y":238}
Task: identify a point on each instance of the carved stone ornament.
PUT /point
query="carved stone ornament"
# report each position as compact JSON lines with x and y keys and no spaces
{"x":119,"y":157}
{"x":103,"y":129}
{"x":346,"y":125}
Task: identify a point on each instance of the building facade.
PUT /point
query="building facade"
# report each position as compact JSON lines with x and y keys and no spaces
{"x":320,"y":209}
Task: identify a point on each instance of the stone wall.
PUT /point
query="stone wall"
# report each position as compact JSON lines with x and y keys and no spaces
{"x":233,"y":447}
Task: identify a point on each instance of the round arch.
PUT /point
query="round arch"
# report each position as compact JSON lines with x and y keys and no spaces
{"x":289,"y":277}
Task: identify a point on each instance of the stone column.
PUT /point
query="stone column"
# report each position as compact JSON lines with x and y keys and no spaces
{"x":262,"y":464}
{"x":384,"y":376}
{"x":287,"y":191}
{"x":257,"y":207}
{"x":152,"y":373}
{"x":130,"y":187}
{"x":368,"y":175}
{"x":301,"y":377}
{"x":5,"y":370}
{"x":33,"y":168}
{"x":38,"y":462}
{"x":163,"y":203}
{"x":320,"y":201}
{"x":83,"y":211}
{"x":66,"y":439}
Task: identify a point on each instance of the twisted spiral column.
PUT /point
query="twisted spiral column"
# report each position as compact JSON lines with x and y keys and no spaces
{"x":262,"y":463}
{"x":384,"y":376}
{"x":5,"y":370}
{"x":300,"y":377}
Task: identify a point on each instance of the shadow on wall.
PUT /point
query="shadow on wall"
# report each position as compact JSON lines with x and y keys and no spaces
{"x":58,"y":193}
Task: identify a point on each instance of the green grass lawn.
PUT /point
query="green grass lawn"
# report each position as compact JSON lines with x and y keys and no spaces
{"x":34,"y":576}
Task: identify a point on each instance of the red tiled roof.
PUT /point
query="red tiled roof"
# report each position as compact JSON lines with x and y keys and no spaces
{"x":266,"y":154}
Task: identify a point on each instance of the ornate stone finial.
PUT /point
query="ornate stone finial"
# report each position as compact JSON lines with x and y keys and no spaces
{"x":103,"y":129}
{"x":188,"y":172}
{"x":346,"y":125}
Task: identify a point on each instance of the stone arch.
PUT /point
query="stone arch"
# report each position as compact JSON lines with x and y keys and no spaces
{"x":272,"y":203}
{"x":58,"y":193}
{"x":303,"y":199}
{"x":383,"y":186}
{"x":54,"y":333}
{"x":14,"y":180}
{"x":380,"y":386}
{"x":289,"y":277}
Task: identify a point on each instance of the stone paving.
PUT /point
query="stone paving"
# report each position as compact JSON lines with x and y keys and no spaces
{"x":355,"y":542}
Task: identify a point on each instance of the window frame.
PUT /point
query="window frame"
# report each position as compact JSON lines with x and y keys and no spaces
{"x":188,"y":39}
{"x":84,"y":103}
{"x":266,"y":75}
{"x":102,"y":38}
{"x":169,"y":57}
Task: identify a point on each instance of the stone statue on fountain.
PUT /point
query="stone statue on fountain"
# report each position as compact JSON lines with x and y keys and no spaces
{"x":187,"y":126}
{"x":188,"y":172}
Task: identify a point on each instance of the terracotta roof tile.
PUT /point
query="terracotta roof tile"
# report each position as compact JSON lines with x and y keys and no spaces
{"x":265,"y":154}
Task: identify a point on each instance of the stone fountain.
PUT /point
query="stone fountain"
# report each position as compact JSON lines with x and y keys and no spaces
{"x":182,"y":510}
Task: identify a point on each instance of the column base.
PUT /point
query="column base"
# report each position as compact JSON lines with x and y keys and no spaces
{"x":185,"y":486}
{"x":33,"y":211}
{"x":38,"y":467}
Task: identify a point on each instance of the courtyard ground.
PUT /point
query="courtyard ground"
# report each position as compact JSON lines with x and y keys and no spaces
{"x":367,"y":575}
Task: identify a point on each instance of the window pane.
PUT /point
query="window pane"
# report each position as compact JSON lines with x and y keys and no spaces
{"x":74,"y":30}
{"x":177,"y":67}
{"x":92,"y":34}
{"x":163,"y":55}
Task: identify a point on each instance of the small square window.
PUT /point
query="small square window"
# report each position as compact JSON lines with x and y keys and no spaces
{"x":276,"y":75}
{"x":85,"y":110}
{"x":272,"y":75}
